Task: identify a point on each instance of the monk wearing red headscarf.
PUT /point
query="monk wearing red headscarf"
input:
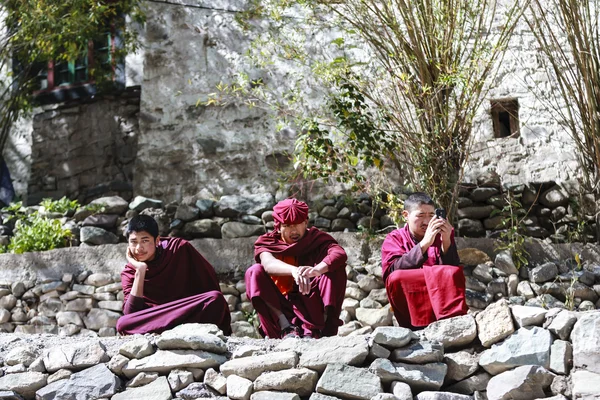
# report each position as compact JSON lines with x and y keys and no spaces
{"x":166,"y":282}
{"x":423,"y":279}
{"x":299,"y":283}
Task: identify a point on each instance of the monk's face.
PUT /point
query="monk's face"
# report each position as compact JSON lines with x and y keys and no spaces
{"x":142,"y":246}
{"x":418,"y":218}
{"x":291,"y":233}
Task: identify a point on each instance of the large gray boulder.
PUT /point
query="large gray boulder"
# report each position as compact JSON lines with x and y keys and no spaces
{"x":157,"y":390}
{"x":206,"y":337}
{"x":92,"y":383}
{"x":494,"y":323}
{"x":351,"y":350}
{"x":391,"y":336}
{"x":452,"y":332}
{"x":251,"y":367}
{"x":586,"y":385}
{"x":349,"y":382}
{"x":419,"y":377}
{"x":301,"y":381}
{"x":96,"y":236}
{"x":586,"y":342}
{"x":420,"y":352}
{"x":525,"y":382}
{"x":111,"y":204}
{"x":163,"y":361}
{"x":75,"y":356}
{"x":527,"y":346}
{"x":24,"y":383}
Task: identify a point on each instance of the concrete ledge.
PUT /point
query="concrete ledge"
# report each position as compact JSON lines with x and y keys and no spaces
{"x":231,"y":257}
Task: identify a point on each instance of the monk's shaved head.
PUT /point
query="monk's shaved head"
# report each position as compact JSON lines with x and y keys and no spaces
{"x":416,"y":200}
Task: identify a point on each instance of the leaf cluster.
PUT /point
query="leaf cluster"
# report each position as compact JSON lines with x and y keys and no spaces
{"x":36,"y":232}
{"x":62,"y":205}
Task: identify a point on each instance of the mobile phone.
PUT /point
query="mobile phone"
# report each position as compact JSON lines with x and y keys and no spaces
{"x":440,"y":213}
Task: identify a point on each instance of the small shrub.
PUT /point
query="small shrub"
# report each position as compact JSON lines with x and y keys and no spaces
{"x":34,"y":232}
{"x":37,"y":233}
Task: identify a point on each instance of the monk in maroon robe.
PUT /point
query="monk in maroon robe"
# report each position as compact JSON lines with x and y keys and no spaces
{"x":299,"y":283}
{"x":166,"y":282}
{"x":423,"y":279}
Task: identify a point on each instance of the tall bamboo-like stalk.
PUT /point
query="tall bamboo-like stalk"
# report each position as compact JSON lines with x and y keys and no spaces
{"x":426,"y":79}
{"x":568,"y":33}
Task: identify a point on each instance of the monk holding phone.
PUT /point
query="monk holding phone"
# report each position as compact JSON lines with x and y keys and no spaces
{"x":423,"y":279}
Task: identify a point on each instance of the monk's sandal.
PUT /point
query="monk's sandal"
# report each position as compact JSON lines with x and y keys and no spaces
{"x":290,"y":332}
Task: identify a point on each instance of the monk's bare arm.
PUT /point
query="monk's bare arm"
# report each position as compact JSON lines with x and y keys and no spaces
{"x":135,"y":297}
{"x":273,"y":266}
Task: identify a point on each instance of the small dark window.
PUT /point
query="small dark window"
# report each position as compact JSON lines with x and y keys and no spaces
{"x":505,"y":117}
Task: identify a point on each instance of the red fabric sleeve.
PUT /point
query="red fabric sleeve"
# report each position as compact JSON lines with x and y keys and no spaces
{"x":336,"y":257}
{"x":134,"y":304}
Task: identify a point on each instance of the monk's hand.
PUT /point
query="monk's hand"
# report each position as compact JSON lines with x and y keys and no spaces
{"x":309,"y":272}
{"x":433,"y":229}
{"x":445,"y":230}
{"x":302,"y":281}
{"x":137,"y":265}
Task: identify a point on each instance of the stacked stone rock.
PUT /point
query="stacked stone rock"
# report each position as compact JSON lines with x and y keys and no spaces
{"x":234,"y":216}
{"x":90,"y":304}
{"x":547,"y":210}
{"x":527,"y":353}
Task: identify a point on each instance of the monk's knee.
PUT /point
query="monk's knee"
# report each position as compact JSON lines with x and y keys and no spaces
{"x":123,"y":325}
{"x":216,"y":299}
{"x":253,"y":272}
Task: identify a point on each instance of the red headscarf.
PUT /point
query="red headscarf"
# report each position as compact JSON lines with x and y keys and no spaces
{"x":289,"y":211}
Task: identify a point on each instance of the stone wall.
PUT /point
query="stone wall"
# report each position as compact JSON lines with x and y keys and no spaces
{"x":85,"y":150}
{"x":535,"y":354}
{"x":92,"y":301}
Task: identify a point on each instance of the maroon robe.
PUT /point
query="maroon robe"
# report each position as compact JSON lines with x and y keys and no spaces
{"x":304,"y":311}
{"x":422,"y":289}
{"x":180,"y":287}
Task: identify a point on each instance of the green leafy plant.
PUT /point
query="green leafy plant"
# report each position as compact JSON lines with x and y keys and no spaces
{"x":252,"y":318}
{"x":34,"y":232}
{"x":512,"y":238}
{"x":37,"y":233}
{"x":394,"y":204}
{"x":63,"y":205}
{"x":569,"y":291}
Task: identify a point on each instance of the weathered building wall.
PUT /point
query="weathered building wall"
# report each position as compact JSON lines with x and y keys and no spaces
{"x":224,"y":150}
{"x":184,"y":147}
{"x":85,"y":150}
{"x":543,"y":151}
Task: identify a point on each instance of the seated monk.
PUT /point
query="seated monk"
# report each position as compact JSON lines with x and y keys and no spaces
{"x":166,"y":282}
{"x":420,"y":267}
{"x":299,"y":284}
